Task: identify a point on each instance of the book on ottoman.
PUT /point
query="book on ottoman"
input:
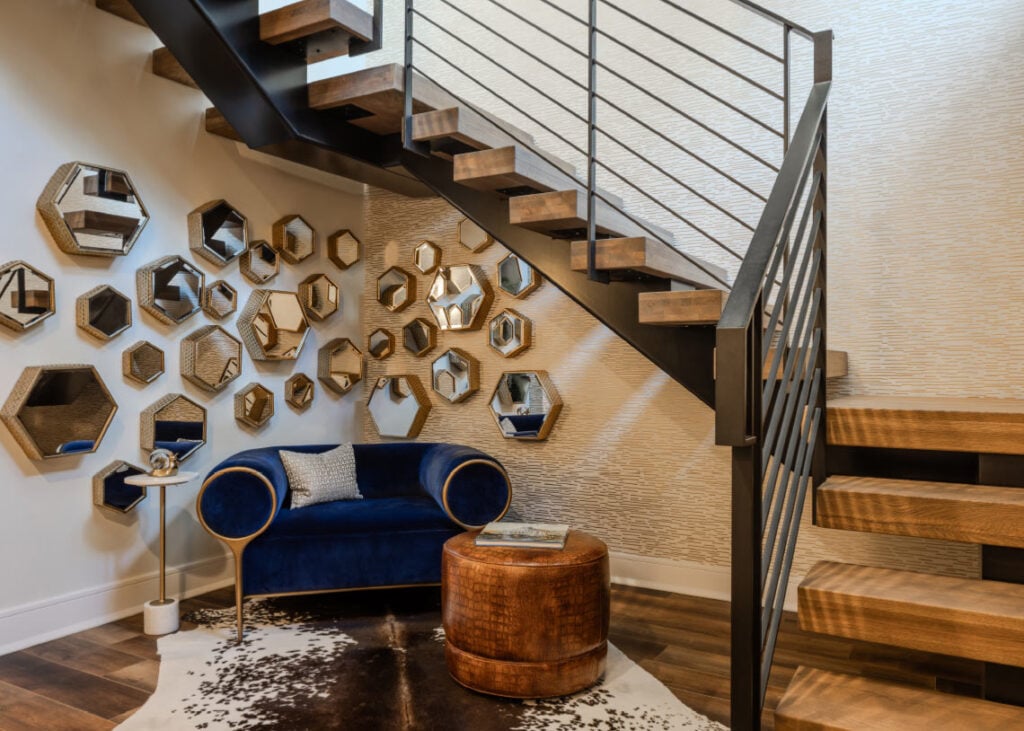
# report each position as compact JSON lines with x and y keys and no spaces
{"x":523,"y":535}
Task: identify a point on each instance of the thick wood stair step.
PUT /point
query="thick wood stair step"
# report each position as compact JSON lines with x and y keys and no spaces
{"x":994,"y":426}
{"x":216,"y":124}
{"x":563,"y":214}
{"x":167,"y":66}
{"x":319,"y":29}
{"x":820,"y":700}
{"x":122,"y":9}
{"x":646,"y":255}
{"x":513,"y":168}
{"x":696,"y":307}
{"x":460,"y":129}
{"x":837,"y":364}
{"x":944,"y":510}
{"x":972,"y":618}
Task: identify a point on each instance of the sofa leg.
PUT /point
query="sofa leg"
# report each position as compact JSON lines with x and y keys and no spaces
{"x":239,"y":598}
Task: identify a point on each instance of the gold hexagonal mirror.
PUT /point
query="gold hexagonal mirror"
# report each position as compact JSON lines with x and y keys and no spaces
{"x":380,"y":344}
{"x":58,"y":410}
{"x":510,"y":333}
{"x":455,"y":375}
{"x":396,"y":289}
{"x":343,"y":248}
{"x":426,"y":257}
{"x":294,"y":239}
{"x":103,"y":312}
{"x":211,"y":358}
{"x":218,"y":232}
{"x":516,"y":277}
{"x":170,"y":289}
{"x":459,"y":298}
{"x":419,"y":337}
{"x":299,"y":391}
{"x":220,"y":299}
{"x":142,"y":362}
{"x":259,"y":263}
{"x":525,"y":405}
{"x":92,"y":210}
{"x":398,"y":406}
{"x":110,"y":492}
{"x":254,"y":405}
{"x":319,"y":296}
{"x":340,"y":365}
{"x":473,"y":237}
{"x":176,"y":423}
{"x":26,"y":296}
{"x":273,"y":325}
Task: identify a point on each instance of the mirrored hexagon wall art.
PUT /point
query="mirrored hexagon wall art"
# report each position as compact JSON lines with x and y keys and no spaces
{"x":510,"y":333}
{"x":217,"y":232}
{"x":459,"y":298}
{"x":175,"y":423}
{"x":525,"y":405}
{"x":26,"y":296}
{"x":294,"y":239}
{"x":220,"y":299}
{"x":110,"y":492}
{"x":396,"y":289}
{"x":319,"y":296}
{"x":473,"y":237}
{"x":92,"y":210}
{"x":299,"y":391}
{"x":254,"y":405}
{"x":380,"y":343}
{"x":170,"y":289}
{"x":456,"y":375}
{"x":398,"y":406}
{"x":273,"y":325}
{"x":340,"y":365}
{"x":426,"y":257}
{"x":419,"y":337}
{"x":516,"y":277}
{"x":143,"y":362}
{"x":103,"y":312}
{"x":344,"y":249}
{"x":259,"y":263}
{"x":211,"y":358}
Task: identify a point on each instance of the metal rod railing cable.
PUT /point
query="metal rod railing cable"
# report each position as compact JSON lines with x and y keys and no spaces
{"x":775,"y":18}
{"x":724,"y":31}
{"x":564,"y":12}
{"x":537,"y":27}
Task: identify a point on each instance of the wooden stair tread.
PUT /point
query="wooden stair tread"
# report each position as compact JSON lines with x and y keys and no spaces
{"x":837,"y":364}
{"x":513,"y":167}
{"x":971,"y":618}
{"x":993,"y":426}
{"x":820,"y":700}
{"x":640,"y":254}
{"x":324,"y":28}
{"x":122,"y":9}
{"x":166,"y":65}
{"x":948,"y":511}
{"x":563,"y":213}
{"x":696,"y":307}
{"x":454,"y":129}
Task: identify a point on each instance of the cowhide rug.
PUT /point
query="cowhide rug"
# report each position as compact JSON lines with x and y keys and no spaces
{"x":366,"y":662}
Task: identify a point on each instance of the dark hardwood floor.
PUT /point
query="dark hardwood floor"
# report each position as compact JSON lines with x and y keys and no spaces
{"x":97,"y":678}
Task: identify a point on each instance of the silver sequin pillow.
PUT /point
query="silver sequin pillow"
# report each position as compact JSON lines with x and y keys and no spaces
{"x":321,"y":478}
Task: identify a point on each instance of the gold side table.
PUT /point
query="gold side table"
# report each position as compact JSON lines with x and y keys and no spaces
{"x":161,"y":616}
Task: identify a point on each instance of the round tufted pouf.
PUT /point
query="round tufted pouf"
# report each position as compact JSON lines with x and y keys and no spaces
{"x":525,"y":622}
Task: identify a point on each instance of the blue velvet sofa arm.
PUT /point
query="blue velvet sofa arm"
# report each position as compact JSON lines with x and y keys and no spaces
{"x":471,"y":487}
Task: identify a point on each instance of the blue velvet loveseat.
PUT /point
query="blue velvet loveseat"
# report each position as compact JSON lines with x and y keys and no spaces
{"x":415,"y":497}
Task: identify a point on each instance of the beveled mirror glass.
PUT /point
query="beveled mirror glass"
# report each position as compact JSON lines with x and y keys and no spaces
{"x":110,"y":492}
{"x":220,"y":299}
{"x":340,"y":365}
{"x":459,"y":298}
{"x":380,"y":344}
{"x":456,"y":375}
{"x":142,"y":362}
{"x":510,"y":333}
{"x":170,"y":289}
{"x":419,"y":337}
{"x":103,"y":312}
{"x":426,"y":257}
{"x":396,"y":289}
{"x":294,"y":239}
{"x":398,"y":406}
{"x":319,"y":296}
{"x":473,"y":237}
{"x":217,"y":232}
{"x":299,"y":391}
{"x":343,"y":248}
{"x":260,"y":263}
{"x":58,"y":410}
{"x":26,"y":296}
{"x":273,"y":325}
{"x":516,"y":277}
{"x":211,"y":358}
{"x":254,"y":405}
{"x":92,"y":210}
{"x":176,"y":423}
{"x":525,"y":405}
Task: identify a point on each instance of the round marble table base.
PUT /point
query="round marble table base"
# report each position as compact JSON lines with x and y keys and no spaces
{"x":160,"y":619}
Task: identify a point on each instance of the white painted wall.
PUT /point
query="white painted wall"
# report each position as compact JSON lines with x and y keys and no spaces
{"x":75,"y":86}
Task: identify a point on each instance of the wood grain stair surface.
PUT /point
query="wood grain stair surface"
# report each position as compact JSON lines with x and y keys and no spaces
{"x":971,"y":618}
{"x":697,"y":307}
{"x":646,"y":255}
{"x":563,"y":213}
{"x":820,"y":700}
{"x":455,"y":127}
{"x":517,"y":168}
{"x":948,"y":511}
{"x":993,"y":426}
{"x":323,"y":28}
{"x":166,"y":65}
{"x":122,"y":9}
{"x":837,"y":364}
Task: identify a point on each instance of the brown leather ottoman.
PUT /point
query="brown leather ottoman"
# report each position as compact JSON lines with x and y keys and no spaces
{"x":525,"y":622}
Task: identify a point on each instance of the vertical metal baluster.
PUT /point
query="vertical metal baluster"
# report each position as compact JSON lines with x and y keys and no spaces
{"x":407,"y":141}
{"x":592,"y":272}
{"x":786,"y":33}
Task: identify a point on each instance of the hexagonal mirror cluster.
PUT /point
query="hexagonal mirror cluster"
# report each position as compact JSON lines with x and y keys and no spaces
{"x":419,"y":337}
{"x":319,"y":296}
{"x":254,"y":405}
{"x":92,"y":210}
{"x":299,"y":391}
{"x":340,"y":365}
{"x":510,"y":333}
{"x":396,"y":289}
{"x":459,"y":298}
{"x":175,"y":423}
{"x":380,"y":343}
{"x":398,"y":406}
{"x":473,"y":237}
{"x":211,"y":358}
{"x":259,"y":263}
{"x":103,"y":312}
{"x":294,"y":239}
{"x":343,"y":248}
{"x":218,"y":232}
{"x":516,"y":277}
{"x":456,"y":375}
{"x":525,"y":405}
{"x":143,"y":362}
{"x":426,"y":257}
{"x":220,"y":299}
{"x":26,"y":296}
{"x":273,"y":325}
{"x":110,"y":492}
{"x":170,"y":289}
{"x":59,"y":410}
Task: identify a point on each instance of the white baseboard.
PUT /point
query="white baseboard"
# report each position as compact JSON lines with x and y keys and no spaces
{"x":40,"y":621}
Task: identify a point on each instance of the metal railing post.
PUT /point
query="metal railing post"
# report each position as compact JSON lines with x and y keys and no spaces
{"x":407,"y":76}
{"x":592,"y":271}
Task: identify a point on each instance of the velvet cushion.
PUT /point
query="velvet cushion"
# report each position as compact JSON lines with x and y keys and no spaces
{"x":395,"y":515}
{"x":470,"y":485}
{"x":321,"y":478}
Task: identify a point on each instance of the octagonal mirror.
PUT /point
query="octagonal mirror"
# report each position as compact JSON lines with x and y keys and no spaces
{"x":176,"y":423}
{"x":58,"y":410}
{"x":340,"y":365}
{"x":26,"y":296}
{"x":525,"y":405}
{"x":254,"y":405}
{"x":220,"y":299}
{"x":273,"y":325}
{"x":516,"y":277}
{"x":398,"y":406}
{"x":294,"y":239}
{"x":170,"y":289}
{"x":143,"y":362}
{"x":380,"y":344}
{"x":426,"y":257}
{"x":319,"y":296}
{"x":472,"y":236}
{"x":217,"y":232}
{"x":92,"y":210}
{"x":211,"y":358}
{"x":103,"y":312}
{"x":343,"y":248}
{"x":299,"y":391}
{"x":456,"y":375}
{"x":510,"y":333}
{"x":259,"y":263}
{"x":396,"y":289}
{"x":419,"y":337}
{"x":459,"y":298}
{"x":110,"y":492}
